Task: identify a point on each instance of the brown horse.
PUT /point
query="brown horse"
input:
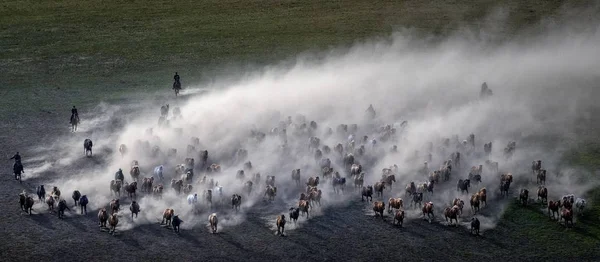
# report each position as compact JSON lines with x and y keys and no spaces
{"x":524,"y":196}
{"x":542,"y":193}
{"x":113,"y":220}
{"x":553,"y":207}
{"x":315,"y":196}
{"x":213,"y":221}
{"x":115,"y":206}
{"x":379,"y":187}
{"x":506,"y":177}
{"x":388,"y":180}
{"x":483,"y":196}
{"x":428,"y":210}
{"x":399,"y":217}
{"x":378,"y":207}
{"x":452,"y":213}
{"x":458,"y":202}
{"x":396,"y":203}
{"x":567,"y":216}
{"x":102,"y":217}
{"x":50,"y":203}
{"x":304,"y":205}
{"x":475,"y":202}
{"x":167,"y":216}
{"x":313,"y":181}
{"x":280,"y":224}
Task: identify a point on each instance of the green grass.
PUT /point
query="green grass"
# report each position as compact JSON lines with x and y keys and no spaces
{"x":139,"y":44}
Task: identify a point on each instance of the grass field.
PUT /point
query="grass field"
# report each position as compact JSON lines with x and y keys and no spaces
{"x":135,"y":45}
{"x":59,"y":53}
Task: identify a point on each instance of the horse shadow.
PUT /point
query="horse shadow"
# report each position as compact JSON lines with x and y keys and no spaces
{"x":42,"y":220}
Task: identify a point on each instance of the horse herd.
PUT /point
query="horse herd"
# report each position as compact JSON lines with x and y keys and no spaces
{"x":335,"y":166}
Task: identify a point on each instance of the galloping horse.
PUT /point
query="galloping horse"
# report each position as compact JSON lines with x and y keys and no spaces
{"x":74,"y":122}
{"x":87,"y":146}
{"x":177,"y":87}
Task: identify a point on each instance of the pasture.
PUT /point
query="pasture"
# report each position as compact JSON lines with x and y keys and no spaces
{"x":115,"y":62}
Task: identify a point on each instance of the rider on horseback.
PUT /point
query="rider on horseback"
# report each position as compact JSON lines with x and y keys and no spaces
{"x":74,"y":114}
{"x":17,"y":165}
{"x":176,"y":77}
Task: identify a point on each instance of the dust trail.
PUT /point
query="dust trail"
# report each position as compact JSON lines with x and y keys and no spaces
{"x":539,"y":88}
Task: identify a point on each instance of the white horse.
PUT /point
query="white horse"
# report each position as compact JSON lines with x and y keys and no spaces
{"x":158,"y":172}
{"x":192,"y":199}
{"x":580,"y":204}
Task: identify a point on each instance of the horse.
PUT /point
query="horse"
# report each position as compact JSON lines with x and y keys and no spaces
{"x":388,"y":180}
{"x":102,"y":217}
{"x":18,"y":170}
{"x":359,"y":180}
{"x":315,"y":196}
{"x":524,"y":196}
{"x":29,"y":204}
{"x":74,"y":122}
{"x":567,"y":216}
{"x":280,"y":224}
{"x":379,"y":187}
{"x":542,"y":193}
{"x":87,"y":146}
{"x":399,"y":217}
{"x":541,"y":176}
{"x":428,"y":210}
{"x":367,"y":192}
{"x":483,"y":196}
{"x":463,"y":185}
{"x":338,"y":183}
{"x":83,"y":201}
{"x":164,"y":110}
{"x":475,"y":225}
{"x":580,"y":204}
{"x":213,"y":221}
{"x":41,"y":192}
{"x":123,"y":150}
{"x":313,"y":181}
{"x":475,"y":200}
{"x":294,"y":214}
{"x":115,"y":187}
{"x":417,"y":198}
{"x":176,"y":222}
{"x":378,"y":208}
{"x":395,"y":203}
{"x":76,"y":196}
{"x":536,"y":166}
{"x":411,"y":189}
{"x":62,"y":205}
{"x":236,"y":201}
{"x":167,"y":216}
{"x":130,"y":189}
{"x":504,"y":186}
{"x":113,"y":220}
{"x":452,"y":214}
{"x":22,"y":198}
{"x":115,"y":206}
{"x":296,"y":176}
{"x":303,"y":205}
{"x":553,"y":207}
{"x":135,"y":173}
{"x":134,"y":208}
{"x":458,"y":202}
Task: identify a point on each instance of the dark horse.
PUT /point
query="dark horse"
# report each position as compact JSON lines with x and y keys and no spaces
{"x":18,"y":170}
{"x":74,"y":122}
{"x":177,"y":87}
{"x":87,"y":146}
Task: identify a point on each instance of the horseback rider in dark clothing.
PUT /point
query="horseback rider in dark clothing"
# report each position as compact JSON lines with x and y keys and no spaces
{"x":176,"y":77}
{"x":74,"y":114}
{"x":17,"y":159}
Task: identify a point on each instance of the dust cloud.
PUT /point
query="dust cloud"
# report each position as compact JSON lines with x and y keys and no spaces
{"x":541,"y":84}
